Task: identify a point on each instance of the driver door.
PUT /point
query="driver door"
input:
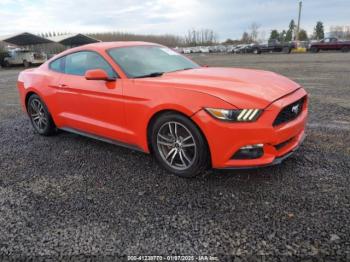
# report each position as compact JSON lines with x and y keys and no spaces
{"x":91,"y":107}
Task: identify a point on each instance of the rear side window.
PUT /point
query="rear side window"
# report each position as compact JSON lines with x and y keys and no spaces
{"x":78,"y":63}
{"x":58,"y":65}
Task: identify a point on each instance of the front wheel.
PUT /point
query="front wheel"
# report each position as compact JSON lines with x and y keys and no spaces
{"x":6,"y":63}
{"x":179,"y":146}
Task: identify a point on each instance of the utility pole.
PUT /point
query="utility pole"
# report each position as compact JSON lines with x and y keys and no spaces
{"x":298,"y":26}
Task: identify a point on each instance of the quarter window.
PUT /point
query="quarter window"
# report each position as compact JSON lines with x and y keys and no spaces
{"x":58,"y":65}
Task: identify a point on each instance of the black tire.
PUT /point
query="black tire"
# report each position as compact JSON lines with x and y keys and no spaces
{"x":286,"y":50}
{"x":256,"y":51}
{"x":345,"y":49}
{"x":38,"y":115}
{"x":199,"y":153}
{"x":314,"y":49}
{"x":26,"y":64}
{"x":6,"y":64}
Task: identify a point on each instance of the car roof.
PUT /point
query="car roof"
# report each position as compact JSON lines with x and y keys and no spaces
{"x":101,"y":46}
{"x":108,"y":45}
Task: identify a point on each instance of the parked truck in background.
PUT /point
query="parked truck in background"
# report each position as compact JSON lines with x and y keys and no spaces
{"x":330,"y":43}
{"x":24,"y":57}
{"x":273,"y":46}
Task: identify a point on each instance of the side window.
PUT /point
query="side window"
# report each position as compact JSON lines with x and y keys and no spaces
{"x":75,"y":64}
{"x":58,"y":65}
{"x":95,"y":61}
{"x":78,"y":63}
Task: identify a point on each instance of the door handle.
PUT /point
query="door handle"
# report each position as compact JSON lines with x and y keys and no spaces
{"x":62,"y":86}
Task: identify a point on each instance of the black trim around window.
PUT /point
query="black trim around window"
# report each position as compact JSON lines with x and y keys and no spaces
{"x":85,"y":50}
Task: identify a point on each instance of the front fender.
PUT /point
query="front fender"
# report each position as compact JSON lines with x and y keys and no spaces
{"x":144,"y":102}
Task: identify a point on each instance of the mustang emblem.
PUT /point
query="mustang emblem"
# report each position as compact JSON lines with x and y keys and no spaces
{"x":295,"y":109}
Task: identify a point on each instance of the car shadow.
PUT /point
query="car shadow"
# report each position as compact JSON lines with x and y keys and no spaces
{"x":135,"y":159}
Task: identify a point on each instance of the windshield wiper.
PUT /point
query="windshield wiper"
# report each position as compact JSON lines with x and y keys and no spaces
{"x":154,"y":74}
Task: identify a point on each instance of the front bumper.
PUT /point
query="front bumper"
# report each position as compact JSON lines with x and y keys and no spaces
{"x":276,"y":161}
{"x":225,"y":139}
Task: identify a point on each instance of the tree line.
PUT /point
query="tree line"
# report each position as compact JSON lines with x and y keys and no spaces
{"x":291,"y":34}
{"x":193,"y":37}
{"x":206,"y":37}
{"x":253,"y":34}
{"x":341,"y":32}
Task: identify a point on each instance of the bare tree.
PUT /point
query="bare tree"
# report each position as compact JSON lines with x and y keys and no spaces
{"x":200,"y":37}
{"x":192,"y":38}
{"x":246,"y":39}
{"x":167,"y":39}
{"x":254,"y":31}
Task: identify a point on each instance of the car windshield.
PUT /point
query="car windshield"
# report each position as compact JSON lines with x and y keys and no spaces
{"x":149,"y":61}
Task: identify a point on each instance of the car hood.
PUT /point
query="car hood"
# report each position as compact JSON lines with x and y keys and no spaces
{"x":239,"y":87}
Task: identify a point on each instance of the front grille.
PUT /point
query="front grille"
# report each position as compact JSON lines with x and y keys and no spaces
{"x":290,"y":112}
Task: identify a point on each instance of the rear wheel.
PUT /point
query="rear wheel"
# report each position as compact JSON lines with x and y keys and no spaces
{"x":345,"y":49}
{"x":26,"y":63}
{"x":256,"y":51}
{"x":314,"y":49}
{"x":40,"y":116}
{"x":286,"y":50}
{"x":179,"y":146}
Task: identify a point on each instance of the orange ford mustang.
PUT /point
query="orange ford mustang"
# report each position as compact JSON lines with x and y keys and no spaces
{"x":147,"y":97}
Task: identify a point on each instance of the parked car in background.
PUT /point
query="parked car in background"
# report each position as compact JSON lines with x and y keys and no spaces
{"x":204,"y":49}
{"x":273,"y":46}
{"x":24,"y":57}
{"x":194,"y":49}
{"x":222,"y":48}
{"x":230,"y":48}
{"x":186,"y":51}
{"x":178,"y":49}
{"x":243,"y":49}
{"x":236,"y":48}
{"x":330,"y":43}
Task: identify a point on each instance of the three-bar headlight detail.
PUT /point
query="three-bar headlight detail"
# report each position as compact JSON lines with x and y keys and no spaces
{"x":235,"y":115}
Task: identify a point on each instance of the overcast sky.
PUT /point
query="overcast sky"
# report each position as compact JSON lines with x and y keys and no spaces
{"x":228,"y":18}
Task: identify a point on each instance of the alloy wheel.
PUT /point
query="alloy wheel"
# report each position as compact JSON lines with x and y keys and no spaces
{"x":176,"y":145}
{"x":38,"y":115}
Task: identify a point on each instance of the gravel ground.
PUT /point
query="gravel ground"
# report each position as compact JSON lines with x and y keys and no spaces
{"x":70,"y":197}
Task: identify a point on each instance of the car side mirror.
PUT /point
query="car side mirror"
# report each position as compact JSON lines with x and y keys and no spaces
{"x":97,"y":74}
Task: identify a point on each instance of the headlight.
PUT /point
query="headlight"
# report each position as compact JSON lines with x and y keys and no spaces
{"x":235,"y":115}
